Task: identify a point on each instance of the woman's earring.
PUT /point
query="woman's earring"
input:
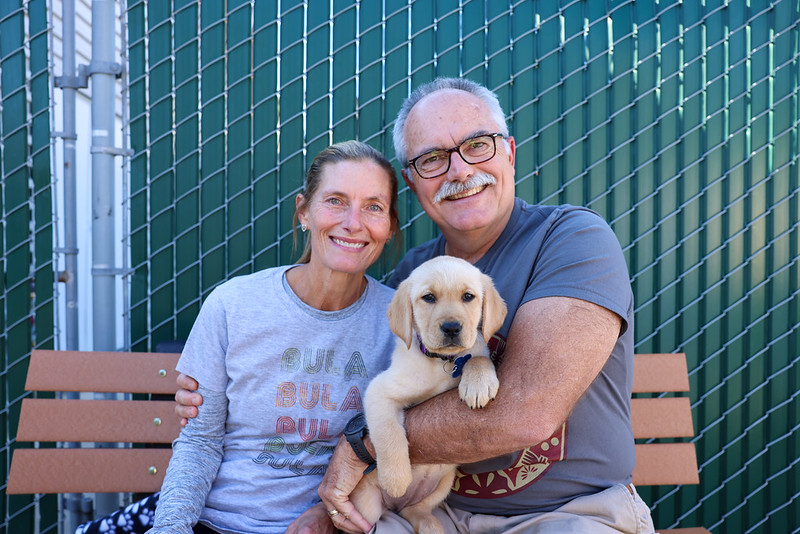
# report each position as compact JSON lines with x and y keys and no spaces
{"x":303,"y":227}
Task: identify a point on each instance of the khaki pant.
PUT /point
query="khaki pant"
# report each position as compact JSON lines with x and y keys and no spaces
{"x":617,"y":509}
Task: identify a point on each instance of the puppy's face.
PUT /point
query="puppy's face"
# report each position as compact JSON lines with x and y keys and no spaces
{"x":444,"y":301}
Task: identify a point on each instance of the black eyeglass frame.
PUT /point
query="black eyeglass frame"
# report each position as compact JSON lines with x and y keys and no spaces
{"x":413,"y":162}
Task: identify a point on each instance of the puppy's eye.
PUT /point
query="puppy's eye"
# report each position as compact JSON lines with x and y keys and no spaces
{"x":467,"y":297}
{"x":429,"y":298}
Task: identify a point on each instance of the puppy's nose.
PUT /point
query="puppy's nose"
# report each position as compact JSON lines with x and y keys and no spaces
{"x":451,"y":328}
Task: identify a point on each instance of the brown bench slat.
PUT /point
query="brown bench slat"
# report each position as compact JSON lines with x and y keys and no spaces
{"x":87,"y":470}
{"x":660,"y":373}
{"x":669,"y":417}
{"x":98,"y":421}
{"x":665,"y":463}
{"x":102,"y":372}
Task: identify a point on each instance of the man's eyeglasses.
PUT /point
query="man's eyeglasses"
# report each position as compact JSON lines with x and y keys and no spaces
{"x":474,"y":150}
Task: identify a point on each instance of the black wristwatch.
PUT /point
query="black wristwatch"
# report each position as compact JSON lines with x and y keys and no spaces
{"x":355,"y":431}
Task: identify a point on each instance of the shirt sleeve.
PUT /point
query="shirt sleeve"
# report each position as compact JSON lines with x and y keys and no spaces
{"x":196,"y":457}
{"x":582,"y":258}
{"x":203,"y":356}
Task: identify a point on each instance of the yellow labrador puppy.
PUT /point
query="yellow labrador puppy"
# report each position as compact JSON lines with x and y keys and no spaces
{"x":443,"y":314}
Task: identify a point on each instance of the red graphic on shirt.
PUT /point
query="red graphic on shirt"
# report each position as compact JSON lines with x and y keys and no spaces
{"x":497,"y":348}
{"x":529,"y":465}
{"x":527,"y":468}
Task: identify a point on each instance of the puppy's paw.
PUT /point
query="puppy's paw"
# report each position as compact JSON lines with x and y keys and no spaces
{"x":395,"y":480}
{"x":478,"y":391}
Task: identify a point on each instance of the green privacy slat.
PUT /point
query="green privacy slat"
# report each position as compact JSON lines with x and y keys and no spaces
{"x":213,"y":64}
{"x":15,"y":190}
{"x":187,"y":251}
{"x":213,"y":155}
{"x":238,"y":21}
{"x":161,"y":153}
{"x":343,"y":97}
{"x":239,"y":213}
{"x":447,"y":38}
{"x":161,"y":193}
{"x":11,"y":36}
{"x":186,"y":281}
{"x":212,"y":266}
{"x":240,"y":170}
{"x":17,"y":262}
{"x":473,"y":48}
{"x":186,"y":133}
{"x":43,"y":206}
{"x":239,"y":88}
{"x":318,"y":13}
{"x":186,"y":218}
{"x":239,"y":253}
{"x":239,"y":138}
{"x":344,"y":66}
{"x":213,"y":188}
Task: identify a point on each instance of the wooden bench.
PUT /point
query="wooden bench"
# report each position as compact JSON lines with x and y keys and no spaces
{"x":132,"y":422}
{"x":668,"y":462}
{"x":96,"y":469}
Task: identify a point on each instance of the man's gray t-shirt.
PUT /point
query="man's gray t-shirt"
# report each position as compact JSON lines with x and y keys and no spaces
{"x":293,"y":376}
{"x":549,"y":251}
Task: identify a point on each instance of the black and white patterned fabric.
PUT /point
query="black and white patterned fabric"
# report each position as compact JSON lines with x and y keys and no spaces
{"x":136,"y":518}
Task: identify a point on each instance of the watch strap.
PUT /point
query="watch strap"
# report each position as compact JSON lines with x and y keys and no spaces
{"x":354,"y":432}
{"x":357,"y":443}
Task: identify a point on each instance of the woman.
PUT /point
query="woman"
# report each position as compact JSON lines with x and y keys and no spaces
{"x":298,"y":342}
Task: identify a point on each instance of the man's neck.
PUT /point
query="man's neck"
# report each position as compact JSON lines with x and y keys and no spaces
{"x":465,"y":253}
{"x":471,"y":246}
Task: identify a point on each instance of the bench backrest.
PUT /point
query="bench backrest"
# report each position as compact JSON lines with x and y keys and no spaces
{"x":662,"y":418}
{"x":117,"y":466}
{"x":141,"y":469}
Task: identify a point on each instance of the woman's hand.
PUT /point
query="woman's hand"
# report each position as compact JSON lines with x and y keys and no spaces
{"x":313,"y":521}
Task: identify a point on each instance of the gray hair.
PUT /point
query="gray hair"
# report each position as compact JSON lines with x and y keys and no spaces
{"x":488,"y":97}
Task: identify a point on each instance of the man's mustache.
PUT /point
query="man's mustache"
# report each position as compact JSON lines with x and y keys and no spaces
{"x":449,"y":189}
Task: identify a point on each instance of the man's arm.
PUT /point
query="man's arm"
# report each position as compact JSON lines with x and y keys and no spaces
{"x":556,"y":347}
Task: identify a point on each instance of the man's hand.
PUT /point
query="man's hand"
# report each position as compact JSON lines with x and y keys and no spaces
{"x":315,"y":520}
{"x":342,"y":476}
{"x":187,"y":398}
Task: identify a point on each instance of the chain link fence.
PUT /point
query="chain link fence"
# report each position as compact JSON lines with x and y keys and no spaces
{"x":26,"y":228}
{"x":677,"y":121}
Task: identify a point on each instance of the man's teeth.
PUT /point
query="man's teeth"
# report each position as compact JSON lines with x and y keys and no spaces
{"x":467,"y":193}
{"x":347,"y":244}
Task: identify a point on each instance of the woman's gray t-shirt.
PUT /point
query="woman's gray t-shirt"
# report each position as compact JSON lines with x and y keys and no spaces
{"x":280,"y":381}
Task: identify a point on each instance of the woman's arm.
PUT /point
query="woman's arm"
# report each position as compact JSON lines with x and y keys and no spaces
{"x":196,"y":457}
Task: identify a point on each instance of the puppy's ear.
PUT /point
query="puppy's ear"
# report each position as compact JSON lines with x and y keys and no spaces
{"x":494,"y":309}
{"x":400,"y":313}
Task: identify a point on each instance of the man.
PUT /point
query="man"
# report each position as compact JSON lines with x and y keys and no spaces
{"x":554,"y":452}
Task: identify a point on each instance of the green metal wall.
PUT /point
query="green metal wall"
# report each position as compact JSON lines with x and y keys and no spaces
{"x":678,"y":121}
{"x":26,"y":228}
